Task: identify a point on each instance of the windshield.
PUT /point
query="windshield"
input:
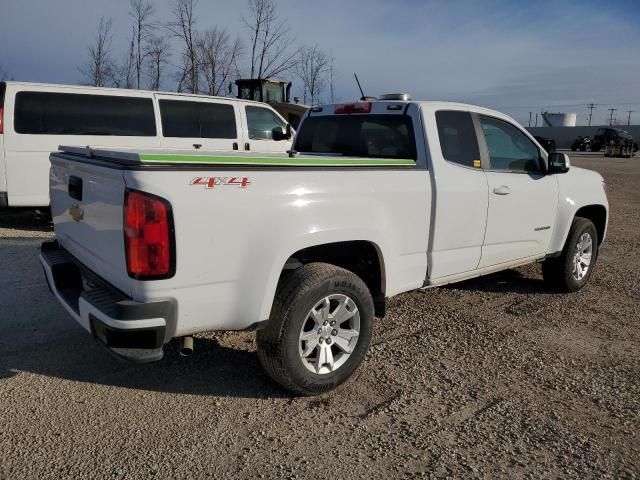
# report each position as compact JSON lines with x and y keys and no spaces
{"x":376,"y":136}
{"x":273,"y":93}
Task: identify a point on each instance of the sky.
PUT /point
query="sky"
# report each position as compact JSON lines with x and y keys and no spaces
{"x":515,"y":56}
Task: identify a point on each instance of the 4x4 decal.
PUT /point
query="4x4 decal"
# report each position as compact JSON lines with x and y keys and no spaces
{"x":211,"y":182}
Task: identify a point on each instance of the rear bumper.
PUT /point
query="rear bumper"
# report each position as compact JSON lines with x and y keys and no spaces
{"x":131,"y":330}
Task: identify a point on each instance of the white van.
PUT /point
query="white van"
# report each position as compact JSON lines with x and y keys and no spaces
{"x":36,"y":118}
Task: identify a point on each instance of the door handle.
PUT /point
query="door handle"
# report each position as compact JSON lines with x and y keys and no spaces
{"x":502,"y":190}
{"x":197,"y":145}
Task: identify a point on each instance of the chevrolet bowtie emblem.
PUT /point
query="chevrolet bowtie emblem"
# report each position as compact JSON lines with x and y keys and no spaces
{"x":76,"y":213}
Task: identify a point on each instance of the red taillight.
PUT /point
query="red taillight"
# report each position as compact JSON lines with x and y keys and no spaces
{"x":358,"y":107}
{"x":148,"y":236}
{"x":1,"y":119}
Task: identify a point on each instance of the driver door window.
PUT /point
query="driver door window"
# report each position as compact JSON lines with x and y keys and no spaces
{"x":261,"y":122}
{"x":509,"y":149}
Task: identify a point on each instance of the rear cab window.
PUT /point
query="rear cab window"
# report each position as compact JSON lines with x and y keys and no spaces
{"x":358,"y":135}
{"x":458,"y":139}
{"x":49,"y":113}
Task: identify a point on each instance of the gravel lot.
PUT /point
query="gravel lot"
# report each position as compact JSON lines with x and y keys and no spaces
{"x":498,"y":376}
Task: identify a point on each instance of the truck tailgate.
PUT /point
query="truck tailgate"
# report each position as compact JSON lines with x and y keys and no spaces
{"x":87,"y":210}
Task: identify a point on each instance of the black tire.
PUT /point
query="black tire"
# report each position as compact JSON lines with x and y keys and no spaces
{"x":278,"y":341}
{"x":559,"y":271}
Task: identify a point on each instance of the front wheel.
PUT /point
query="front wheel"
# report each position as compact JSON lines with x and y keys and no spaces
{"x":319,"y":329}
{"x":572,"y":269}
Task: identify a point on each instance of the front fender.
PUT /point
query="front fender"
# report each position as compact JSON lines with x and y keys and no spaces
{"x":578,"y":188}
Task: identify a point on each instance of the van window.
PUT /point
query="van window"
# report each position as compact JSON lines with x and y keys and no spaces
{"x":458,"y":140}
{"x":48,"y":113}
{"x":376,"y":136}
{"x":261,"y":122}
{"x":197,"y":119}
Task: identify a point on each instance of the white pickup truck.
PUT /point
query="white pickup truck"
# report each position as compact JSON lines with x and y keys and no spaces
{"x":377,"y":198}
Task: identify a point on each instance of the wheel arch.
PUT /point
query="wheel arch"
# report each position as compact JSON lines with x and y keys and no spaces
{"x":598,"y":215}
{"x":362,"y":257}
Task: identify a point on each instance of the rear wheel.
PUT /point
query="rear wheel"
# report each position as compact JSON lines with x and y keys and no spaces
{"x":572,"y":269}
{"x":319,"y":330}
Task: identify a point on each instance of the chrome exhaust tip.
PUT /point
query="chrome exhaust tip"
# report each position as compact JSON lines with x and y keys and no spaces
{"x":186,"y":346}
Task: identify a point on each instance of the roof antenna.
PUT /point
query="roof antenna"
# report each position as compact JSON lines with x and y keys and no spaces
{"x":361,"y":92}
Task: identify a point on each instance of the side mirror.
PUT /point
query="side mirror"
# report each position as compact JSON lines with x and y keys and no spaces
{"x":277,"y":134}
{"x":558,"y":163}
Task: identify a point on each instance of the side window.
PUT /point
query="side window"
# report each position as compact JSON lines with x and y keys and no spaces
{"x":183,"y":119}
{"x":261,"y":122}
{"x":48,"y":113}
{"x":458,"y":139}
{"x":509,"y":148}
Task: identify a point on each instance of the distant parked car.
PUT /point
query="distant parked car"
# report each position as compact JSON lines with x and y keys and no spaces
{"x":582,"y":143}
{"x":549,"y":144}
{"x":604,"y":136}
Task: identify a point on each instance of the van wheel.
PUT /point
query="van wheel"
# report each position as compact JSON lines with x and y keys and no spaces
{"x":572,"y":269}
{"x":319,"y":330}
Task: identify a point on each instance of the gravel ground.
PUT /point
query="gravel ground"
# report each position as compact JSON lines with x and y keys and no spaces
{"x":494,"y":377}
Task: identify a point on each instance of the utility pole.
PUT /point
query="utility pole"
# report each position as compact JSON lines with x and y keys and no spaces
{"x":611,"y":110}
{"x":536,"y":119}
{"x":629,"y":112}
{"x":529,"y":119}
{"x":591,"y":106}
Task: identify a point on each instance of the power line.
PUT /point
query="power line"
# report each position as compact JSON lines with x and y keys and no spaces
{"x":591,"y":106}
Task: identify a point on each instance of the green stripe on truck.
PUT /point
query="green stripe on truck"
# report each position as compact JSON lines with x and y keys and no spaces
{"x":324,"y":161}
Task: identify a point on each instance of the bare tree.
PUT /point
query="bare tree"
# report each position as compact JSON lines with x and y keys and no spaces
{"x":312,"y":68}
{"x":184,"y":27}
{"x":123,"y":75}
{"x":98,"y":69}
{"x":156,"y":53}
{"x":142,"y":12}
{"x":4,"y":75}
{"x":218,"y":59}
{"x":269,"y":36}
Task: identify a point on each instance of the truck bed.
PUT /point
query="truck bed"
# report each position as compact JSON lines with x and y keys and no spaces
{"x":236,"y":219}
{"x":217,"y":159}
